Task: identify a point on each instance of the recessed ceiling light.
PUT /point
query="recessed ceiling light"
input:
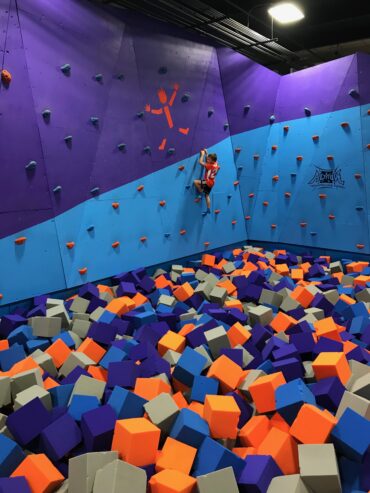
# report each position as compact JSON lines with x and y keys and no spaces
{"x":286,"y":13}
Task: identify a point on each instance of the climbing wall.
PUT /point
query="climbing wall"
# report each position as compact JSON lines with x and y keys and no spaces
{"x":302,"y":151}
{"x":100,"y":131}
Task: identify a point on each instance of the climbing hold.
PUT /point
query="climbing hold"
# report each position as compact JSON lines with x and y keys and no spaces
{"x":185,"y":97}
{"x":265,"y":203}
{"x":275,"y":178}
{"x":21,"y":240}
{"x":210,"y":111}
{"x":98,"y":77}
{"x":68,"y":139}
{"x":95,"y":191}
{"x":273,"y":226}
{"x":162,"y":70}
{"x":226,"y":126}
{"x":115,"y":244}
{"x":1,"y":296}
{"x":147,"y":149}
{"x":57,"y":189}
{"x":31,"y":165}
{"x":330,"y":157}
{"x":90,"y":228}
{"x":238,"y":149}
{"x":299,"y":158}
{"x":182,"y":232}
{"x":217,"y":211}
{"x":171,"y":151}
{"x":197,"y":200}
{"x":229,"y":196}
{"x":121,"y":146}
{"x":331,"y":216}
{"x":368,"y":111}
{"x":247,"y":218}
{"x":140,"y":188}
{"x":368,"y":146}
{"x":82,"y":271}
{"x":143,"y":239}
{"x":315,"y":138}
{"x":307,"y":111}
{"x":313,"y":233}
{"x":256,"y":157}
{"x":140,"y":114}
{"x":322,"y":195}
{"x":287,"y":195}
{"x":286,"y":128}
{"x":360,"y":246}
{"x":359,"y":208}
{"x":120,"y":76}
{"x":167,"y":235}
{"x":240,"y":168}
{"x":206,"y":243}
{"x":66,"y":68}
{"x":70,"y":244}
{"x":94,"y":120}
{"x":162,"y":203}
{"x":181,"y":168}
{"x":353,"y":92}
{"x":272,"y":118}
{"x":251,"y":195}
{"x":358,"y":176}
{"x":293,"y":175}
{"x":274,"y":147}
{"x":115,"y":205}
{"x":46,"y":114}
{"x":187,"y":187}
{"x":233,"y":222}
{"x":6,"y":77}
{"x":344,"y":124}
{"x":236,"y":183}
{"x":246,"y":108}
{"x":303,"y":225}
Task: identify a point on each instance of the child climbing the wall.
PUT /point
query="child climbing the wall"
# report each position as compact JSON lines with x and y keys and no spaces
{"x":209,"y":162}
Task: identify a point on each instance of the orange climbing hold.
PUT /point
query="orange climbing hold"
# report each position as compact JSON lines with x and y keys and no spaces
{"x":331,"y":216}
{"x":140,"y":188}
{"x":115,"y":244}
{"x":6,"y":76}
{"x":83,"y":270}
{"x":115,"y":205}
{"x":182,"y":232}
{"x":275,"y":178}
{"x":265,"y":203}
{"x":20,"y":240}
{"x":299,"y":158}
{"x":286,"y":128}
{"x":1,"y":296}
{"x":273,"y":226}
{"x":236,"y":183}
{"x":360,"y":246}
{"x":233,"y":222}
{"x":248,"y":218}
{"x":330,"y":157}
{"x":143,"y":239}
{"x":274,"y":147}
{"x":162,"y":203}
{"x":357,"y":176}
{"x":322,"y":195}
{"x":181,"y":168}
{"x":206,"y":243}
{"x":256,"y":157}
{"x":251,"y":195}
{"x":70,"y":244}
{"x":368,"y":146}
{"x":287,"y":195}
{"x":315,"y":137}
{"x":344,"y":124}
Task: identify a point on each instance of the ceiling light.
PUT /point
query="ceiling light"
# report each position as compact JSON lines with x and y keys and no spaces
{"x":286,"y":13}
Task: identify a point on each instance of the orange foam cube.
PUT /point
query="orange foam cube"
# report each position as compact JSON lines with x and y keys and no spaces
{"x":208,"y":260}
{"x":93,"y":350}
{"x":303,"y":296}
{"x":277,"y":421}
{"x":263,"y":389}
{"x":184,"y":292}
{"x":148,"y":388}
{"x":171,"y":481}
{"x":197,"y":407}
{"x":222,"y":415}
{"x":243,"y":452}
{"x":40,"y":473}
{"x":139,"y":299}
{"x":4,"y":344}
{"x":120,"y":305}
{"x":136,"y":440}
{"x":312,"y":425}
{"x":282,"y":447}
{"x":176,"y":455}
{"x":282,"y":322}
{"x":254,"y":431}
{"x":332,"y":365}
{"x":234,"y":304}
{"x":282,"y":269}
{"x":50,"y":383}
{"x":98,"y":373}
{"x":361,"y":281}
{"x":228,"y":285}
{"x":59,"y":352}
{"x":326,"y":327}
{"x":180,"y":400}
{"x":238,"y":334}
{"x":227,"y":372}
{"x":171,"y":340}
{"x":296,"y":274}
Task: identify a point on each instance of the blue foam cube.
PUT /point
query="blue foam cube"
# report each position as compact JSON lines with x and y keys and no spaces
{"x":290,"y":397}
{"x":351,"y":435}
{"x":189,"y":365}
{"x":189,"y":428}
{"x":203,"y":386}
{"x":126,"y":404}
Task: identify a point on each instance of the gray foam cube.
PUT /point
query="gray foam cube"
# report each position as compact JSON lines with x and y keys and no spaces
{"x":228,"y":268}
{"x":269,"y":297}
{"x":5,"y":391}
{"x":164,"y":299}
{"x":83,"y":468}
{"x":24,"y":380}
{"x":248,"y":380}
{"x":356,"y":403}
{"x":106,"y":296}
{"x":45,"y":326}
{"x":315,"y":312}
{"x":189,"y":315}
{"x":218,"y":295}
{"x":88,"y":386}
{"x":347,"y":280}
{"x":260,"y":315}
{"x":335,"y":267}
{"x":174,"y":276}
{"x":275,"y":278}
{"x":75,"y":359}
{"x":289,"y":304}
{"x":79,"y":305}
{"x":309,"y":375}
{"x":3,"y":418}
{"x":96,"y":314}
{"x":118,"y":477}
{"x":63,"y":488}
{"x":172,"y":357}
{"x":319,"y":468}
{"x":200,"y":275}
{"x":59,"y":312}
{"x":81,"y":327}
{"x":358,"y":370}
{"x":81,"y":316}
{"x":247,"y":357}
{"x":162,"y":411}
{"x":158,"y":272}
{"x":363,"y":295}
{"x":221,"y":481}
{"x":177,"y":268}
{"x":288,"y":484}
{"x":45,"y":361}
{"x":204,"y":289}
{"x":361,"y":387}
{"x":31,"y":393}
{"x":217,"y":339}
{"x":332,"y":296}
{"x":76,"y":338}
{"x":51,"y":302}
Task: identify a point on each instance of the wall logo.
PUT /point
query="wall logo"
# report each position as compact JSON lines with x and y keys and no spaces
{"x":327,"y":178}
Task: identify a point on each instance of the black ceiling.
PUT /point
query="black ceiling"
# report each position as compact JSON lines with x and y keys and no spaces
{"x":245,"y":26}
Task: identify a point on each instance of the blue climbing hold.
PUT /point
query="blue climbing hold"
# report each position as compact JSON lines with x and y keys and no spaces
{"x":185,"y":97}
{"x":162,"y":70}
{"x":95,"y":191}
{"x":307,"y":111}
{"x":120,"y":76}
{"x":210,"y":111}
{"x":353,"y":92}
{"x":31,"y":165}
{"x":272,"y":118}
{"x":171,"y":151}
{"x":246,"y":108}
{"x":140,"y":114}
{"x":313,"y":233}
{"x":147,"y":149}
{"x":68,"y":139}
{"x":359,"y":208}
{"x":94,"y":120}
{"x":66,"y":68}
{"x":226,"y":126}
{"x":57,"y":189}
{"x":121,"y":146}
{"x":46,"y":114}
{"x":90,"y":228}
{"x":167,"y":235}
{"x":99,"y":77}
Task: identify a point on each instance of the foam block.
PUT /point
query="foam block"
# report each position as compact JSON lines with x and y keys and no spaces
{"x":11,"y":455}
{"x":312,"y":425}
{"x":258,"y":473}
{"x":262,"y":391}
{"x":170,"y":481}
{"x":162,"y":411}
{"x":176,"y":455}
{"x":83,"y":468}
{"x":218,"y":482}
{"x":118,"y":476}
{"x":319,"y":468}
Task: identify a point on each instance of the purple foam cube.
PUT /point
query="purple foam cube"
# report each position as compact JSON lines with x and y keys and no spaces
{"x":246,"y":410}
{"x":97,"y":428}
{"x":95,"y":303}
{"x":328,"y":393}
{"x":9,"y":323}
{"x":258,"y":473}
{"x":102,"y":333}
{"x":152,"y":332}
{"x":88,"y":291}
{"x":291,"y":368}
{"x":304,"y":342}
{"x":74,"y":375}
{"x":60,"y":437}
{"x":18,"y":484}
{"x":122,"y":373}
{"x":27,"y":422}
{"x":126,"y":289}
{"x":326,"y":345}
{"x":235,"y":355}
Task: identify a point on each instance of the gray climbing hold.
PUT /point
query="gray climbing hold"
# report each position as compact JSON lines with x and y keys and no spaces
{"x":147,"y":149}
{"x":95,"y":191}
{"x":57,"y":189}
{"x":272,"y":118}
{"x":210,"y":111}
{"x":171,"y":151}
{"x":121,"y":146}
{"x":140,"y":114}
{"x":31,"y":165}
{"x":94,"y":120}
{"x":90,"y":228}
{"x":307,"y":111}
{"x":162,"y":70}
{"x":98,"y":77}
{"x":46,"y":114}
{"x":185,"y":97}
{"x":246,"y":108}
{"x":68,"y":139}
{"x":66,"y":68}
